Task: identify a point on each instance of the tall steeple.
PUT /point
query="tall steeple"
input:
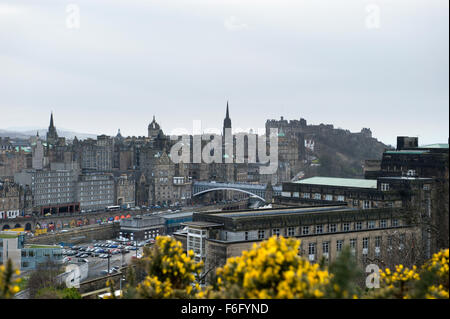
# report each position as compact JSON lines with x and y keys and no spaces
{"x":228,"y":113}
{"x":52,"y":135}
{"x":227,"y":120}
{"x":51,"y":122}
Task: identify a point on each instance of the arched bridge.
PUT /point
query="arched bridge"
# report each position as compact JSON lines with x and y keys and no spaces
{"x":257,"y":190}
{"x":227,"y":189}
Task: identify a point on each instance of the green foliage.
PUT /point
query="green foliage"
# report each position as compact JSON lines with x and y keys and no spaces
{"x":344,"y":274}
{"x":8,"y":285}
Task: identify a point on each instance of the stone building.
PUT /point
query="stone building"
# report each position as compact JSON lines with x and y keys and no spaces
{"x":323,"y":231}
{"x":54,"y":189}
{"x":166,"y":187}
{"x":9,"y":200}
{"x":95,"y":190}
{"x":358,"y":193}
{"x":13,"y":161}
{"x":125,"y":190}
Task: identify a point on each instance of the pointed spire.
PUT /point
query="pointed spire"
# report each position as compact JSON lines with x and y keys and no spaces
{"x":228,"y":113}
{"x":51,"y":120}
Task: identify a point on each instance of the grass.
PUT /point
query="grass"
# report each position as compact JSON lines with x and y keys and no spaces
{"x":8,"y":236}
{"x":23,"y":283}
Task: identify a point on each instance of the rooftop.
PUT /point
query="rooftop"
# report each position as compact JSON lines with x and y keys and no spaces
{"x":201,"y":224}
{"x":342,"y":182}
{"x":437,"y":145}
{"x":407,"y":152}
{"x":177,"y":215}
{"x":272,"y":212}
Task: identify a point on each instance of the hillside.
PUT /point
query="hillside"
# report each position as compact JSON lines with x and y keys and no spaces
{"x":342,"y":154}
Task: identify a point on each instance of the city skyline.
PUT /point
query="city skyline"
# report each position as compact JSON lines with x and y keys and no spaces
{"x":181,"y":61}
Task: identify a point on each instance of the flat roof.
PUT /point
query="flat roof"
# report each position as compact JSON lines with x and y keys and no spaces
{"x":201,"y":224}
{"x":177,"y":215}
{"x":407,"y":152}
{"x":437,"y":145}
{"x":272,"y":212}
{"x":343,"y":182}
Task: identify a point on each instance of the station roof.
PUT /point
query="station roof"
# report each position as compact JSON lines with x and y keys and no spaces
{"x":342,"y":182}
{"x":273,"y":212}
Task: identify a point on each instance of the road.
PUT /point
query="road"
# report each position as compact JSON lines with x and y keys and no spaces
{"x":97,"y":265}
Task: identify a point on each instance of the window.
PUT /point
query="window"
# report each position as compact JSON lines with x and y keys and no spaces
{"x":332,"y":228}
{"x":378,"y":241}
{"x":358,"y":225}
{"x":371,"y":224}
{"x":319,"y":229}
{"x":329,"y":197}
{"x":339,"y":245}
{"x":317,"y":196}
{"x":340,"y":198}
{"x":305,"y":230}
{"x":276,"y":232}
{"x":306,"y":195}
{"x":325,"y":248}
{"x":353,"y":245}
{"x":366,"y":204}
{"x":346,"y":227}
{"x":291,"y":231}
{"x":377,"y":246}
{"x":246,"y":235}
{"x":394,"y":222}
{"x":384,"y":187}
{"x":426,"y":187}
{"x":402,"y":241}
{"x":365,"y":246}
{"x":356,"y":202}
{"x":312,"y":249}
{"x":383,"y":223}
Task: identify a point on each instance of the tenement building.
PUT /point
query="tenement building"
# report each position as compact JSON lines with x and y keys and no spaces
{"x":9,"y":200}
{"x":323,"y":231}
{"x":95,"y":190}
{"x":54,"y":190}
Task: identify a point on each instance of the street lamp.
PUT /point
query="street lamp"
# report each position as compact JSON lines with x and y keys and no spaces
{"x":109,"y":256}
{"x":136,"y":248}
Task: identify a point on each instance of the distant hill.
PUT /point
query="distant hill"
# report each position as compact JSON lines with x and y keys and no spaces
{"x":25,"y":134}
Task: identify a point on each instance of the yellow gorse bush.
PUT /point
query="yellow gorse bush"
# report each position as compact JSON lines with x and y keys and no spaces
{"x":171,"y":272}
{"x":8,"y":285}
{"x":272,"y":269}
{"x":430,"y":281}
{"x":438,"y":265}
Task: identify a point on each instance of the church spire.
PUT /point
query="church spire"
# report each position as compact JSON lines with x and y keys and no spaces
{"x":228,"y":113}
{"x":227,"y":120}
{"x":51,"y":120}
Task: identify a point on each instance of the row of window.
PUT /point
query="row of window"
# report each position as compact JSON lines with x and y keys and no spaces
{"x":326,"y":246}
{"x":330,"y":228}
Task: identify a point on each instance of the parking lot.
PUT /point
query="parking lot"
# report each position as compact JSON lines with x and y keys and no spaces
{"x":96,"y":254}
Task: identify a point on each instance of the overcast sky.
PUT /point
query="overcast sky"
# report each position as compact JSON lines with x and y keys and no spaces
{"x":353,"y":63}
